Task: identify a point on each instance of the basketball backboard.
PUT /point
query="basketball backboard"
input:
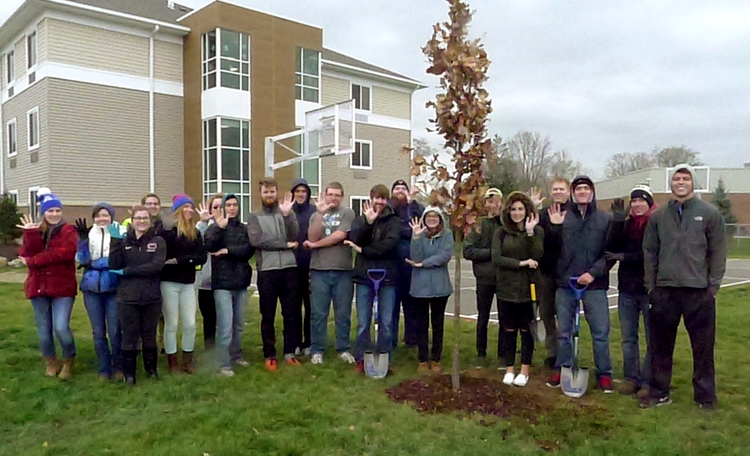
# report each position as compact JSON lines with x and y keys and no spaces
{"x":329,"y":130}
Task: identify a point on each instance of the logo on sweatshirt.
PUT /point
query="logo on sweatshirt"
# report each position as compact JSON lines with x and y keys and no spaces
{"x":698,"y":218}
{"x":151,"y":247}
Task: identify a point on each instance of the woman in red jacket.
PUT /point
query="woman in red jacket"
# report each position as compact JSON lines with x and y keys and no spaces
{"x":49,"y":251}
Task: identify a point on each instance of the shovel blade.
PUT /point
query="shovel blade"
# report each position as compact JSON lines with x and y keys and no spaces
{"x":538,"y":331}
{"x":376,"y":365}
{"x":574,"y":381}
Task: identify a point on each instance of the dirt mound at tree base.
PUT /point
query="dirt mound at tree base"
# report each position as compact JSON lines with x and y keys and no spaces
{"x":543,"y":412}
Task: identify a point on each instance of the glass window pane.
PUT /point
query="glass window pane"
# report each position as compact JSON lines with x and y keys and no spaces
{"x":230,"y":80}
{"x":245,"y":188}
{"x":311,"y":62}
{"x":314,"y":190}
{"x":211,"y":133}
{"x":310,"y":94}
{"x":245,"y":68}
{"x":211,"y":43}
{"x":245,"y":134}
{"x":298,"y":60}
{"x":231,"y":66}
{"x":245,"y":83}
{"x":366,"y":155}
{"x":230,"y":44}
{"x":245,"y":165}
{"x":230,"y":187}
{"x":211,"y":81}
{"x":230,"y":133}
{"x":245,"y":208}
{"x":298,"y":78}
{"x":245,"y":50}
{"x":310,"y":81}
{"x":213,"y":187}
{"x":310,"y":171}
{"x":366,"y":98}
{"x":230,"y":164}
{"x":212,"y":175}
{"x":298,"y":93}
{"x":211,"y":65}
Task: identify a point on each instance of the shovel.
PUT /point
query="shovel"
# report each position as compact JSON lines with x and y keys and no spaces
{"x":376,"y":364}
{"x":574,"y":380}
{"x":537,"y":326}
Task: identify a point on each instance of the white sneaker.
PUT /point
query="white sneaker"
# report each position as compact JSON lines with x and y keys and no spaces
{"x":346,"y":356}
{"x":508,"y":378}
{"x":306,"y":352}
{"x":226,"y":373}
{"x":241,"y":362}
{"x":317,"y":358}
{"x":521,"y":380}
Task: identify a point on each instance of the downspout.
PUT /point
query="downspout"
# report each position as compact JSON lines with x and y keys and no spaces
{"x":151,"y":147}
{"x":3,"y":132}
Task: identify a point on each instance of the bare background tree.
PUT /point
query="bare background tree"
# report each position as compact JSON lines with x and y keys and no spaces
{"x":626,"y":162}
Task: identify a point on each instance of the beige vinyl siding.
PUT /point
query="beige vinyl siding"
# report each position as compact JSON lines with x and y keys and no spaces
{"x":27,"y":174}
{"x":41,"y":41}
{"x":20,"y":58}
{"x":335,"y":90}
{"x":92,"y":47}
{"x":3,"y":76}
{"x":168,"y":146}
{"x":389,"y":164}
{"x":101,"y":143}
{"x":168,"y":61}
{"x":391,"y":103}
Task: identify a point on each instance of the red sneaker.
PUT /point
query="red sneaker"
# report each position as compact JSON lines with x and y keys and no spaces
{"x":554,"y":380}
{"x":271,"y":365}
{"x":605,"y":383}
{"x":360,"y":367}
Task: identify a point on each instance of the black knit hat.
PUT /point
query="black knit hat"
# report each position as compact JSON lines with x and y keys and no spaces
{"x":644,"y":192}
{"x":400,"y":182}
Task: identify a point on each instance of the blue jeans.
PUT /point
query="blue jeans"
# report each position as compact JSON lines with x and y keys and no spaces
{"x":230,"y":318}
{"x":365,"y":296}
{"x":53,"y":314}
{"x":327,"y":286}
{"x":630,"y":307}
{"x":102,"y":310}
{"x":596,"y":310}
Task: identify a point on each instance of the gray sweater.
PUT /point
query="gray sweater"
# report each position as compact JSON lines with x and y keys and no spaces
{"x":269,"y":232}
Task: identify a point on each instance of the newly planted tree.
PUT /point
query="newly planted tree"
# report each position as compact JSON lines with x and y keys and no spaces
{"x":461,"y":114}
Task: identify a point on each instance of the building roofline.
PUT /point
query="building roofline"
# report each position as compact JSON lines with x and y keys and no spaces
{"x":229,"y":2}
{"x":403,"y":80}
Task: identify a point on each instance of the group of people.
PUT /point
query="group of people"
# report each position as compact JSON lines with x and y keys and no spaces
{"x":311,"y":254}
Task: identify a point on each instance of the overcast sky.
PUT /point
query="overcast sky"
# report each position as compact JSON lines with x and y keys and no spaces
{"x":596,"y":77}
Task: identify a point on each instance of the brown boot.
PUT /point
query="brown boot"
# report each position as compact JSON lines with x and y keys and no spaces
{"x":423,"y":367}
{"x":173,"y":363}
{"x":187,"y":362}
{"x":436,"y":367}
{"x":67,"y":369}
{"x":52,"y":367}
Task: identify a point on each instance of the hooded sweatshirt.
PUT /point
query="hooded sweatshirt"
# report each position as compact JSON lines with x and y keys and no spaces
{"x":685,"y":244}
{"x":304,"y":212}
{"x":379,"y":243}
{"x":510,"y":246}
{"x":583,"y":237}
{"x":626,"y":237}
{"x":434,"y":252}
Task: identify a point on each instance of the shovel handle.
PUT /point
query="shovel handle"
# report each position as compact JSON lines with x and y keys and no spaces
{"x":376,"y":280}
{"x":578,"y":288}
{"x":533,"y":291}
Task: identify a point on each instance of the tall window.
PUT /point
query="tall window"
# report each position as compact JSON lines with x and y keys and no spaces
{"x":12,"y":138}
{"x":32,"y":127}
{"x":226,"y":159}
{"x":208,"y":50}
{"x":235,"y":60}
{"x":33,"y":203}
{"x":361,"y":95}
{"x":356,"y":202}
{"x":10,"y":66}
{"x":308,"y":169}
{"x":307,"y":85}
{"x":362,"y":156}
{"x":31,"y":50}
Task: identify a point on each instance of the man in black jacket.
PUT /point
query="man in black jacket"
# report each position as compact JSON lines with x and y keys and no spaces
{"x":229,"y":245}
{"x":304,"y":211}
{"x":685,"y":252}
{"x":546,"y":277}
{"x":626,"y":246}
{"x":478,"y":250}
{"x":374,"y":236}
{"x":582,"y":232}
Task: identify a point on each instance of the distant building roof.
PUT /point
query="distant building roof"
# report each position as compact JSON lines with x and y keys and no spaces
{"x":339,"y":58}
{"x":152,"y":9}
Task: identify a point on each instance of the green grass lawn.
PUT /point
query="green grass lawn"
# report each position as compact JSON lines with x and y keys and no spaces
{"x":330,"y":410}
{"x":738,"y":248}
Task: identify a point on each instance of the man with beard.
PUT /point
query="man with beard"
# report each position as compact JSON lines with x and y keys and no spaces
{"x":685,"y":253}
{"x":546,"y":276}
{"x":303,"y":211}
{"x":273,"y":232}
{"x":478,"y":250}
{"x":375,"y":236}
{"x":405,"y":209}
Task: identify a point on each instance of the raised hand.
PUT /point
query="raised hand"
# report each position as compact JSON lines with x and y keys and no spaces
{"x":619,"y":213}
{"x":115,"y":232}
{"x":28,"y":223}
{"x":531,"y":222}
{"x":535,"y":194}
{"x":556,"y":214}
{"x":369,"y":212}
{"x":286,"y":206}
{"x":220,"y":218}
{"x":322,"y":205}
{"x":354,"y":246}
{"x":82,"y":228}
{"x":417,"y":228}
{"x":203,"y":212}
{"x":410,"y":195}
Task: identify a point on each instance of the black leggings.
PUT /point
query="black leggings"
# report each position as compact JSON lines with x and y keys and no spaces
{"x":428,"y":310}
{"x":207,"y":304}
{"x":517,"y":316}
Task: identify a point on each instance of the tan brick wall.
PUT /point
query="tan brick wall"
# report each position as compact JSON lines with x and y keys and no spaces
{"x":92,"y":47}
{"x":27,"y":174}
{"x":41,"y":41}
{"x":389,"y":164}
{"x":169,"y":146}
{"x":20,"y":56}
{"x":391,"y":103}
{"x":168,"y":61}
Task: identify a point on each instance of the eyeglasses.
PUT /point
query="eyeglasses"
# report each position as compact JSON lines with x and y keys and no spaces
{"x":151,"y":204}
{"x":141,"y":219}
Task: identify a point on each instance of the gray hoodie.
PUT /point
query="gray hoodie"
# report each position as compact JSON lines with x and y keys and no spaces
{"x":432,"y":279}
{"x":269,"y":232}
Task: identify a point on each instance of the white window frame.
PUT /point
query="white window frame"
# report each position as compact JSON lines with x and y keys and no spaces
{"x":14,"y":196}
{"x":34,"y":111}
{"x":300,"y":72}
{"x":357,"y":143}
{"x":10,"y":67}
{"x":32,"y":205}
{"x":357,"y":99}
{"x":11,"y":151}
{"x":29,"y":64}
{"x":205,"y":60}
{"x":361,"y":200}
{"x":239,"y":61}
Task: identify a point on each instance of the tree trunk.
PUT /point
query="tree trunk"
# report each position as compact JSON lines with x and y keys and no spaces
{"x":456,"y":371}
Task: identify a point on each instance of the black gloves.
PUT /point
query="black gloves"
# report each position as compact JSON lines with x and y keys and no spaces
{"x":619,"y":212}
{"x":82,"y":229}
